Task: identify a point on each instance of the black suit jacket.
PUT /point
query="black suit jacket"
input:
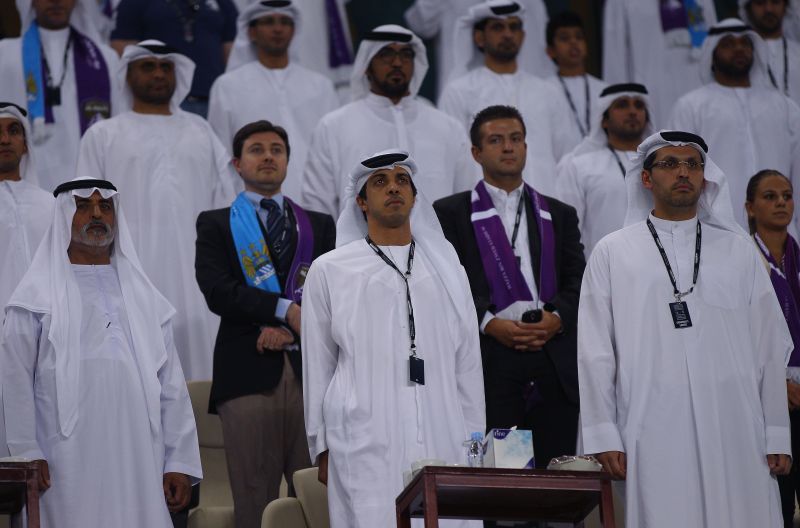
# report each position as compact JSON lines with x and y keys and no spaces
{"x":454,"y":215}
{"x":238,"y":368}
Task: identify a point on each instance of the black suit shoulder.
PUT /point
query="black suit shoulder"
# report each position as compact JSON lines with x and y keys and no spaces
{"x":453,"y":203}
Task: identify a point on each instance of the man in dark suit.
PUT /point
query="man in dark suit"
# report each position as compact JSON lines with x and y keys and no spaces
{"x":251,"y":263}
{"x":524,"y":259}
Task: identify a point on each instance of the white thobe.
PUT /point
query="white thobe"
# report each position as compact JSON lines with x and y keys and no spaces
{"x":57,"y":155}
{"x":109,"y":471}
{"x":594,"y":185}
{"x":168,"y":169}
{"x":696,"y":410}
{"x":348,"y":135}
{"x":26,"y":211}
{"x":359,"y":402}
{"x":294,"y":97}
{"x":636,"y":50}
{"x":438,"y":18}
{"x":583,"y":91}
{"x":547,"y":117}
{"x":746,"y":129}
{"x":785,"y":64}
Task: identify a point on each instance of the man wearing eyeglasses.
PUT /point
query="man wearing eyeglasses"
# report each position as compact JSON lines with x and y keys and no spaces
{"x":682,"y":350}
{"x":386,"y":113}
{"x":747,"y":122}
{"x":263,"y":82}
{"x":488,"y":42}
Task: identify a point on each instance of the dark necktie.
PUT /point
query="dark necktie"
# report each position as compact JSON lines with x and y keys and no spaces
{"x":277,"y":235}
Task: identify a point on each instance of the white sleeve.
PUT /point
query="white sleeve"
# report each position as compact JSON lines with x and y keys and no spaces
{"x":682,"y":117}
{"x":597,"y":358}
{"x":425,"y":17}
{"x":466,"y":171}
{"x":562,"y":124}
{"x":452,"y":104}
{"x":320,"y":192}
{"x":20,"y":353}
{"x":320,"y":356}
{"x":181,"y":448}
{"x":228,"y":183}
{"x":91,"y":154}
{"x":568,"y":189}
{"x":616,"y":56}
{"x":218,"y":117}
{"x":469,"y":366}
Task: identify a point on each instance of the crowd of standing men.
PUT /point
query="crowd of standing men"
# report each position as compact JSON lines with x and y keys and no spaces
{"x":368,"y":278}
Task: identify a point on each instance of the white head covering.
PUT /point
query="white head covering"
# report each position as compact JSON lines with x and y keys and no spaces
{"x":85,"y":17}
{"x":734,"y":26}
{"x":425,"y":227}
{"x":597,"y":139}
{"x":714,"y":206}
{"x":184,"y":70}
{"x":27,"y":167}
{"x":376,"y":40}
{"x":49,"y":287}
{"x":244,"y":51}
{"x":466,"y":55}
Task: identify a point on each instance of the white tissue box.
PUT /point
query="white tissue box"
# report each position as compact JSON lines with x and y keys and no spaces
{"x":509,"y":448}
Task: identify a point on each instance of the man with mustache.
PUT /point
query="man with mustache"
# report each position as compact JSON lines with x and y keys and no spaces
{"x":767,"y":18}
{"x":747,"y":122}
{"x":251,"y":264}
{"x":524,"y":259}
{"x":682,"y":351}
{"x":391,"y":363}
{"x":170,"y":166}
{"x":388,"y":71}
{"x":488,"y":41}
{"x":93,"y":388}
{"x":592,"y":177}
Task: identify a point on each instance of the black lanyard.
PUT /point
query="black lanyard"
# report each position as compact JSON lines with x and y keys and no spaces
{"x":698,"y":236}
{"x":584,"y":130}
{"x":412,"y":332}
{"x":785,"y":71}
{"x":619,"y":161}
{"x":47,"y":77}
{"x":517,"y":221}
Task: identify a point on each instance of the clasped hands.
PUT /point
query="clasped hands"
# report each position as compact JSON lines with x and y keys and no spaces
{"x":524,"y":336}
{"x":278,"y":337}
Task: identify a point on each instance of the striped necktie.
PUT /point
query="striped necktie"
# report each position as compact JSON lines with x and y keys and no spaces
{"x":277,"y":235}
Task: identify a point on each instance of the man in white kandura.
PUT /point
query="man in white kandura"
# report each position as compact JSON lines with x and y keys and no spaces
{"x":391,"y":361}
{"x":271,"y":85}
{"x":591,"y":178}
{"x":682,"y":351}
{"x":170,"y":167}
{"x":385,"y":112}
{"x":92,"y":384}
{"x":748,"y":124}
{"x":488,"y":41}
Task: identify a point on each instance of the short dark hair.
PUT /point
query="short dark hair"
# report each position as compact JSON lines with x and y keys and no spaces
{"x":561,"y":20}
{"x":649,"y":161}
{"x":752,"y":185}
{"x":257,"y":127}
{"x":491,"y":113}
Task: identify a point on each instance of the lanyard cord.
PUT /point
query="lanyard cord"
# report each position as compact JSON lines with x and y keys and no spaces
{"x":698,"y":236}
{"x":517,"y":221}
{"x":584,"y":130}
{"x":619,"y":161}
{"x":412,"y":332}
{"x":48,"y":79}
{"x":785,"y":70}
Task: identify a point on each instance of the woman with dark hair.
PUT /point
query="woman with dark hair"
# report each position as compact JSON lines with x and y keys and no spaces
{"x":770,"y":208}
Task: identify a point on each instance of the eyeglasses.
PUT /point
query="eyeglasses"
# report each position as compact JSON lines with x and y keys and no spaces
{"x":672,"y":164}
{"x":388,"y":55}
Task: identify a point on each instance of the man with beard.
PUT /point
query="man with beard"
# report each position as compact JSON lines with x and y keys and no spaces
{"x":93,"y":388}
{"x":592,"y":177}
{"x":170,"y":166}
{"x":750,"y":125}
{"x":388,"y":71}
{"x":488,"y":41}
{"x":270,"y":86}
{"x":682,"y":351}
{"x":766,"y":17}
{"x":524,"y":260}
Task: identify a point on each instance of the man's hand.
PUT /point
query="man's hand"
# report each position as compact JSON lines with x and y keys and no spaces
{"x":273,"y":338}
{"x":516,"y":334}
{"x":177,"y":491}
{"x":293,"y":317}
{"x":615,"y":463}
{"x":44,"y":475}
{"x":550,"y":324}
{"x":779,"y":464}
{"x":793,"y":392}
{"x":322,"y":462}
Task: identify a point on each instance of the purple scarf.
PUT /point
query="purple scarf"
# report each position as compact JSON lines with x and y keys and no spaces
{"x":303,"y":254}
{"x":506,"y":283}
{"x":338,"y":49}
{"x":787,"y":288}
